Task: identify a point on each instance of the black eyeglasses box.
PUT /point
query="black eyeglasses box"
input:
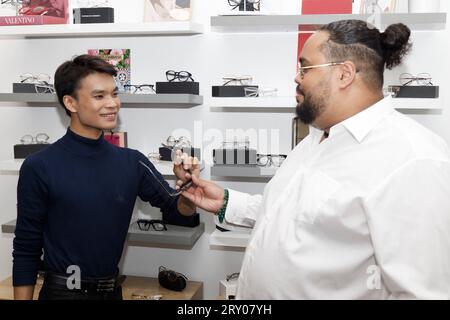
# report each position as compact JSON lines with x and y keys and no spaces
{"x":188,"y":87}
{"x":415,"y":91}
{"x":230,"y":91}
{"x":235,"y":156}
{"x":24,"y":87}
{"x":166,"y":153}
{"x":21,"y":151}
{"x":93,"y":15}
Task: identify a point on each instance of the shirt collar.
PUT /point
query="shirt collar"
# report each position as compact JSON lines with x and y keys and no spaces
{"x":360,"y":125}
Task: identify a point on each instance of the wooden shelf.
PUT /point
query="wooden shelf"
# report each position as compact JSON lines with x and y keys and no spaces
{"x":173,"y":28}
{"x":175,"y":236}
{"x":229,"y":239}
{"x":128,"y":100}
{"x":143,"y":286}
{"x":291,"y":23}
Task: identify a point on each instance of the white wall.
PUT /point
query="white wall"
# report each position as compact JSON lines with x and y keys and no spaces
{"x":270,"y":58}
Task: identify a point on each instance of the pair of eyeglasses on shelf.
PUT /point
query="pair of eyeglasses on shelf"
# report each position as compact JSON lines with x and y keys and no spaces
{"x":157,"y":225}
{"x":139,"y":88}
{"x":11,"y":2}
{"x":268,"y":160}
{"x":181,"y":76}
{"x":236,"y":144}
{"x":247,"y":4}
{"x":40,"y":138}
{"x":92,"y":3}
{"x":154,"y":157}
{"x":263,"y":92}
{"x":137,"y":296}
{"x":422,"y":79}
{"x":232,"y":276}
{"x":237,"y":80}
{"x":41,"y":78}
{"x":170,"y":193}
{"x":44,"y":88}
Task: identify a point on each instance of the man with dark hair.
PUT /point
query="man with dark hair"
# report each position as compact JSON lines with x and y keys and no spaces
{"x":75,"y":198}
{"x":360,"y":208}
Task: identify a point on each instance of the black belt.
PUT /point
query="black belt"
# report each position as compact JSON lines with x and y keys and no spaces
{"x":89,"y":285}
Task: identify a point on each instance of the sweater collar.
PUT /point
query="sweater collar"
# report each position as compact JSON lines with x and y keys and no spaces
{"x":82,"y":145}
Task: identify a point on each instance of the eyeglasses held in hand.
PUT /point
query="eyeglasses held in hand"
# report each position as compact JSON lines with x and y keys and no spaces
{"x":139,"y":89}
{"x":40,"y":138}
{"x":267,"y":160}
{"x":422,"y":79}
{"x":183,"y":187}
{"x":41,"y":78}
{"x":182,"y":76}
{"x":237,"y":80}
{"x":145,"y":224}
{"x":179,"y":143}
{"x":263,"y":92}
{"x":92,"y":3}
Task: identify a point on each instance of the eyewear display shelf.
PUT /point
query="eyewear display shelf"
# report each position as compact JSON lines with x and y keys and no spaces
{"x":290,"y":23}
{"x":164,"y":167}
{"x":175,"y":236}
{"x":243,"y":171}
{"x":102,"y":30}
{"x":287,"y":104}
{"x":128,"y":100}
{"x":233,"y":239}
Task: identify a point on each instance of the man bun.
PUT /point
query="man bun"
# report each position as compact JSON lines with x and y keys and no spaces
{"x":395,"y":44}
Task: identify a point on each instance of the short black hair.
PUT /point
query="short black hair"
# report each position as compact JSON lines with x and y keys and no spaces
{"x":370,"y":49}
{"x":69,"y":75}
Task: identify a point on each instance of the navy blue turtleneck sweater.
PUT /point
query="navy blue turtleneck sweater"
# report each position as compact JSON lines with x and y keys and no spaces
{"x":75,"y":200}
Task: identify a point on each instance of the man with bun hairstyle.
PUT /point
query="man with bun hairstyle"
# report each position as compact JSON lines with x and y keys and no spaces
{"x":360,"y":209}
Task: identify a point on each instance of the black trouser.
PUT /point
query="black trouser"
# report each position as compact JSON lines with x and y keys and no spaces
{"x":58,"y":290}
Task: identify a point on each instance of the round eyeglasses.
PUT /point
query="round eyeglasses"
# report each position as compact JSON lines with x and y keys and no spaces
{"x":40,"y":138}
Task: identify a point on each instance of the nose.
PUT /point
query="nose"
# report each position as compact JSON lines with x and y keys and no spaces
{"x":114,"y":102}
{"x":298,"y":78}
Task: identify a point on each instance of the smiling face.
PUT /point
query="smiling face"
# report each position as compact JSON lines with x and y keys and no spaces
{"x":95,"y":106}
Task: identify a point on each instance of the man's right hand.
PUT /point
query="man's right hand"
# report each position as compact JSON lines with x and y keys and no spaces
{"x":204,"y":194}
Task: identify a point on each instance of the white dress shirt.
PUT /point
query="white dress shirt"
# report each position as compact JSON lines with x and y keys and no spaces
{"x":363,"y":215}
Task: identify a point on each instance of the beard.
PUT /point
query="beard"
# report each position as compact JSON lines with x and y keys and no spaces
{"x":313,"y":105}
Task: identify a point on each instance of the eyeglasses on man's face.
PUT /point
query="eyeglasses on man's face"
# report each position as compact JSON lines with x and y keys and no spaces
{"x":303,"y":70}
{"x":41,"y":138}
{"x":182,"y":76}
{"x":139,"y":88}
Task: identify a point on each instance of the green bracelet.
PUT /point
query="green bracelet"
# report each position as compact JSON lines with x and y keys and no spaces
{"x":222,"y":210}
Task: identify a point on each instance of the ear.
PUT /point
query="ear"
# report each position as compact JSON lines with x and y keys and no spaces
{"x":347,"y":74}
{"x":70,"y":103}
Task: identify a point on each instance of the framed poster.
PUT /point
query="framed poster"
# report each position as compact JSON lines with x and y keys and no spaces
{"x":118,"y":139}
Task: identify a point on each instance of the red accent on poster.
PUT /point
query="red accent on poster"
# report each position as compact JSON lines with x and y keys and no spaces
{"x":321,"y":7}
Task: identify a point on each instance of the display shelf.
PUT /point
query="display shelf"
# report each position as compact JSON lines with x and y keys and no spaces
{"x":229,"y":239}
{"x":243,"y":171}
{"x":174,"y":236}
{"x":128,"y":100}
{"x":260,"y":104}
{"x":164,"y":167}
{"x":287,"y":104}
{"x":290,"y":23}
{"x":172,"y":28}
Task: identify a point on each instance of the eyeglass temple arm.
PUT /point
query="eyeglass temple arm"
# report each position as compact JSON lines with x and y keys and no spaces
{"x":160,"y":179}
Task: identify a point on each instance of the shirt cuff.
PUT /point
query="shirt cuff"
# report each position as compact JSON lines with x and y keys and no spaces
{"x":236,"y":212}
